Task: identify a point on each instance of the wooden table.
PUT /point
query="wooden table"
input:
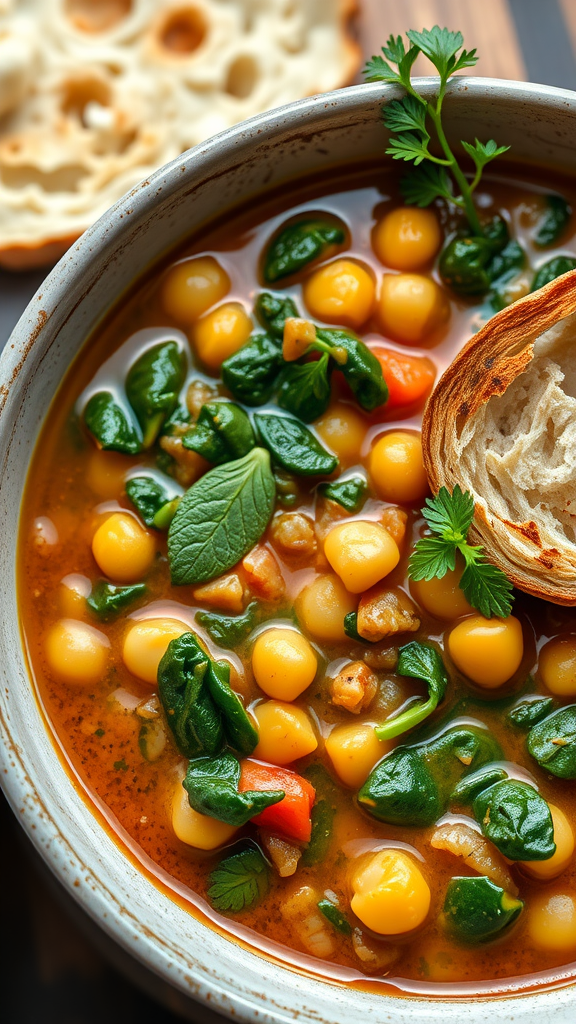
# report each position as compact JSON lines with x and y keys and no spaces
{"x":49,"y":972}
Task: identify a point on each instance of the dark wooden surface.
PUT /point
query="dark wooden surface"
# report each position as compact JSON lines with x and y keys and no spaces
{"x":50,"y":972}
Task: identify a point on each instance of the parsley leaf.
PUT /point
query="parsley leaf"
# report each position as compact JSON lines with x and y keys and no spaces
{"x":449,"y":518}
{"x":426,"y":183}
{"x":406,"y":115}
{"x":239,"y":881}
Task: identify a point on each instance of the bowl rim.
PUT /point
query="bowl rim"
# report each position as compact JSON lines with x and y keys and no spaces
{"x":39,"y":814}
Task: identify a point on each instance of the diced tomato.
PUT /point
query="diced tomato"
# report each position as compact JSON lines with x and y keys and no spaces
{"x":290,"y":817}
{"x":409,"y":378}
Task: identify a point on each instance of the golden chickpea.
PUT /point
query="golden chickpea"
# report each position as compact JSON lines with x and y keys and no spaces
{"x":342,"y":429}
{"x":557,"y":666}
{"x":123,"y":549}
{"x":488,"y":651}
{"x":443,"y":598}
{"x":221,"y":333}
{"x":76,"y":652}
{"x":391,"y":895}
{"x":552,"y":921}
{"x":407,"y":238}
{"x":354,"y":749}
{"x":559,"y":861}
{"x":192,"y":286}
{"x":362,"y":552}
{"x":194,"y":829}
{"x":106,"y":473}
{"x":283,"y":663}
{"x":72,"y":594}
{"x":341,"y":292}
{"x":145,"y":645}
{"x":396,"y":465}
{"x":411,"y":307}
{"x":285,"y":733}
{"x":322,"y":606}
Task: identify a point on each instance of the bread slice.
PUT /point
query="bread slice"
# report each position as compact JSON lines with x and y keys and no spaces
{"x":96,"y":94}
{"x":501,"y":423}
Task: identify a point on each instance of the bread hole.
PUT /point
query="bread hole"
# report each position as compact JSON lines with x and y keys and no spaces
{"x":242,"y":77}
{"x":183,"y":31}
{"x":96,"y":15}
{"x":82,"y":90}
{"x":65,"y":179}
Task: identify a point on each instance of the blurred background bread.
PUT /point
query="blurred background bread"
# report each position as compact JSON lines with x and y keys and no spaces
{"x":95,"y":94}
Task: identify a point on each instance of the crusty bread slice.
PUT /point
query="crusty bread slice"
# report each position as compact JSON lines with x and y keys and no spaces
{"x":501,"y":423}
{"x":96,"y":94}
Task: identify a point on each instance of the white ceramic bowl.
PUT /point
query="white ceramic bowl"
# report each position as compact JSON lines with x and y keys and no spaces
{"x":185,"y":959}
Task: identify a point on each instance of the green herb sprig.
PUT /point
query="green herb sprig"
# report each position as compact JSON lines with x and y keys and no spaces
{"x":409,"y":117}
{"x":449,"y":517}
{"x":239,"y":881}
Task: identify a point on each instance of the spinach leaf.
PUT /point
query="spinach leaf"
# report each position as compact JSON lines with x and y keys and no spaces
{"x":191,"y":713}
{"x":153,"y":385}
{"x":467,"y":264}
{"x":212,"y":787}
{"x":420,"y":661}
{"x":553,"y":222}
{"x":362,"y":369}
{"x":287,"y":489}
{"x":110,"y":425}
{"x":228,"y":630}
{"x":251,"y":373}
{"x":551,"y":270}
{"x":220,"y":518}
{"x":297,"y":245}
{"x":468,"y":788}
{"x":239,"y":730}
{"x":476,"y":909}
{"x":147,"y":495}
{"x":516,"y":819}
{"x":503,"y":270}
{"x":350,"y":493}
{"x":529,"y":711}
{"x":273,"y":311}
{"x":305,"y":388}
{"x":322,"y":815}
{"x":106,"y":600}
{"x":178,"y":419}
{"x":335,"y":916}
{"x":221,"y":433}
{"x":293,"y":446}
{"x":165,"y":514}
{"x":239,"y":882}
{"x":351,"y":628}
{"x":552,"y":742}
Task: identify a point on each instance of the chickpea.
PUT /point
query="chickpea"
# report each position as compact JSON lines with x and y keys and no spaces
{"x":557,"y":666}
{"x":559,"y":861}
{"x":362,"y":553}
{"x":552,"y":921}
{"x":194,"y":829}
{"x":410,"y":307}
{"x":407,"y":238}
{"x":145,"y":645}
{"x":123,"y":549}
{"x":354,"y":749}
{"x":192,"y":286}
{"x":341,"y":292}
{"x":488,"y":651}
{"x":391,"y":895}
{"x":343,"y":430}
{"x":443,"y":598}
{"x":72,"y":594}
{"x":76,"y":652}
{"x":106,"y":473}
{"x":285,"y":733}
{"x":283,"y":663}
{"x":396,"y":466}
{"x":322,"y":606}
{"x":221,"y":333}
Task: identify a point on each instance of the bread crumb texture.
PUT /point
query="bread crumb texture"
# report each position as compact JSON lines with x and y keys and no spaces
{"x":96,"y":94}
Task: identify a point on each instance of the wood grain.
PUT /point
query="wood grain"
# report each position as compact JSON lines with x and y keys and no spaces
{"x":486,"y":24}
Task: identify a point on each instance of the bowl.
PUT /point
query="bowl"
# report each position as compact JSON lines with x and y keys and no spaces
{"x":182,"y":957}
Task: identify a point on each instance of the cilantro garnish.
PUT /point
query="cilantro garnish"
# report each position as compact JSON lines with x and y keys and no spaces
{"x":239,"y":881}
{"x":449,"y":517}
{"x":409,"y":117}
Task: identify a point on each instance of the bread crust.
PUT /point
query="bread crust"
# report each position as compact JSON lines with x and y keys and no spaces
{"x":486,"y":367}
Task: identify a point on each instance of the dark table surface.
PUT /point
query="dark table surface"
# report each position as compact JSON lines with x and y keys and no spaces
{"x":50,"y":971}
